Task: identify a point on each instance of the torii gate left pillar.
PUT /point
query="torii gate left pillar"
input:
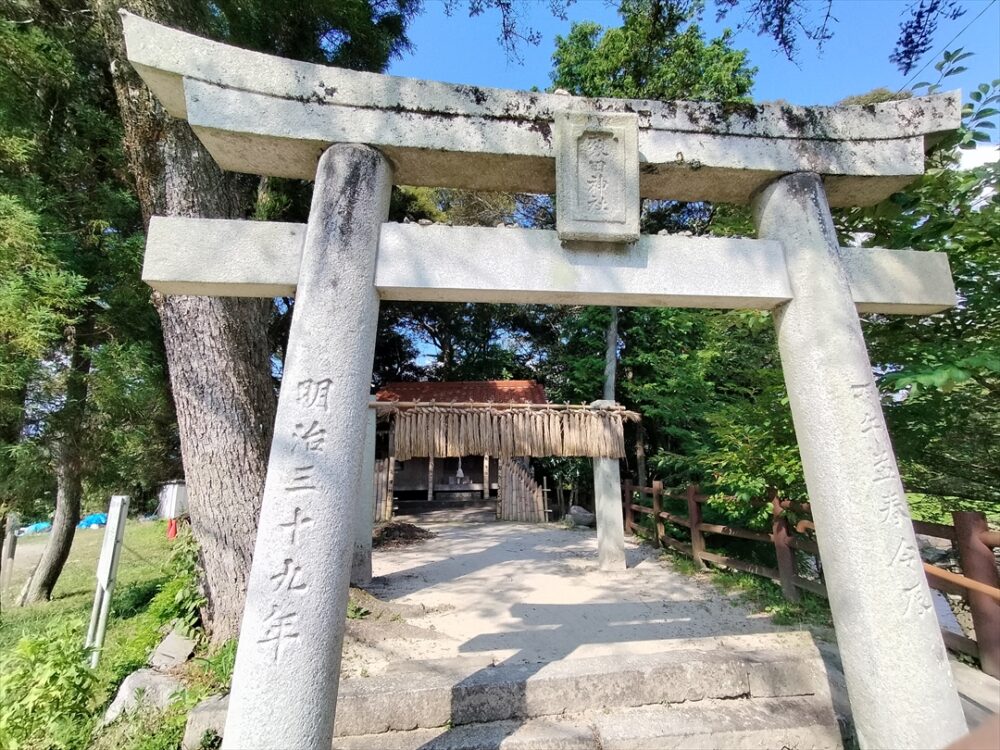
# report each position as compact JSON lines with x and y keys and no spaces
{"x":298,"y":588}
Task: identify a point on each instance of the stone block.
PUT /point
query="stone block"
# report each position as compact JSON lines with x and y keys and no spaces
{"x":209,"y":716}
{"x":597,"y":176}
{"x":537,"y":734}
{"x":735,"y":725}
{"x":776,"y":679}
{"x":578,"y":516}
{"x":263,"y":114}
{"x":173,"y":650}
{"x":145,"y":687}
{"x":223,"y":257}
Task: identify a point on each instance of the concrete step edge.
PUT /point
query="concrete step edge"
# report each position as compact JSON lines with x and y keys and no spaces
{"x":742,"y":723}
{"x":412,"y":701}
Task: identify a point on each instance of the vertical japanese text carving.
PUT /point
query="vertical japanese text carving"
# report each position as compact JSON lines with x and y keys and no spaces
{"x":313,"y":393}
{"x":600,"y":177}
{"x":888,"y":500}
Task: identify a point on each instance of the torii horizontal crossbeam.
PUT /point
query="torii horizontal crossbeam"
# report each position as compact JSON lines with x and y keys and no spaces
{"x":473,"y":264}
{"x":267,"y":115}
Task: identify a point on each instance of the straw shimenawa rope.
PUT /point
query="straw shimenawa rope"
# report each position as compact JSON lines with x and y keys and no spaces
{"x":448,"y":430}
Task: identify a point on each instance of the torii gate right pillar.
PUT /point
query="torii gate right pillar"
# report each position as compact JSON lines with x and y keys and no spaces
{"x":898,"y":677}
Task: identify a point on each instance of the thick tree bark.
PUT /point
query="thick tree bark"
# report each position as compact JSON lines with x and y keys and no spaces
{"x":67,"y":453}
{"x":217,"y":349}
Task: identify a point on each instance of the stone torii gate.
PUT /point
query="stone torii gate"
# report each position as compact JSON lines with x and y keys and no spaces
{"x":356,"y":134}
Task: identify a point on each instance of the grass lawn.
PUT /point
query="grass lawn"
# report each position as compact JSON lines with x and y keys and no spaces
{"x":142,"y":569}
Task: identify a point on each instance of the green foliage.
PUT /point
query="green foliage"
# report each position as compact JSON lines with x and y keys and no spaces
{"x":214,"y":672}
{"x":148,"y":729}
{"x":651,"y":56}
{"x":356,"y":611}
{"x":185,"y":585}
{"x":936,"y":509}
{"x":74,"y":313}
{"x":764,"y":595}
{"x":941,"y":374}
{"x":46,"y":687}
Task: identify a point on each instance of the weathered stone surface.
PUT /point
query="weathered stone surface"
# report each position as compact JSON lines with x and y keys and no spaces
{"x":259,"y":113}
{"x":293,"y":622}
{"x":146,"y":686}
{"x":537,"y":734}
{"x":256,"y":258}
{"x":778,"y":679}
{"x":597,"y":176}
{"x":452,"y":264}
{"x":361,"y":561}
{"x":173,"y":650}
{"x":433,"y":697}
{"x":578,"y":516}
{"x":759,"y":724}
{"x":209,"y":716}
{"x":610,"y":516}
{"x":901,"y":689}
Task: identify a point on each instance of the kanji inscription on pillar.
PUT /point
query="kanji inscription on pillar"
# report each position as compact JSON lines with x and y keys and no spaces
{"x":892,"y":511}
{"x":597,"y":177}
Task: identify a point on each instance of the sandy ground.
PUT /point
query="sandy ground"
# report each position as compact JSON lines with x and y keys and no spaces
{"x":527,"y":593}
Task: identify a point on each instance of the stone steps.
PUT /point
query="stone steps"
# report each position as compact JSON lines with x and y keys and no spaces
{"x":740,"y":724}
{"x":454,"y":693}
{"x":768,"y":691}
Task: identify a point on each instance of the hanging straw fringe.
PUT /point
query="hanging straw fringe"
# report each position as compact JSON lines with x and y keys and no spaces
{"x":456,"y":430}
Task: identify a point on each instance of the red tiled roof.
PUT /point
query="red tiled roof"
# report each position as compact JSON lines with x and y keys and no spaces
{"x":505,"y":391}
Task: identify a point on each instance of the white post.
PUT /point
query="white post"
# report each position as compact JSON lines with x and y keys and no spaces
{"x":284,"y":689}
{"x":608,"y":510}
{"x":361,"y":564}
{"x":898,"y":678}
{"x":107,"y":571}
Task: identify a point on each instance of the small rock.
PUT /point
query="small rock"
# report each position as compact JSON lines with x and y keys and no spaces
{"x":663,"y":233}
{"x":501,"y":225}
{"x":146,"y":686}
{"x":424,"y":222}
{"x":561,"y":92}
{"x":581,"y":516}
{"x":207,"y":716}
{"x":173,"y":650}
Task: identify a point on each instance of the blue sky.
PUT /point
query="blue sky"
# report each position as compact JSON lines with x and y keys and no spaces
{"x":459,"y":49}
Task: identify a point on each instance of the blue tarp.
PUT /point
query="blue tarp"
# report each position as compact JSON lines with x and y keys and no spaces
{"x":36,"y":528}
{"x":94,"y":520}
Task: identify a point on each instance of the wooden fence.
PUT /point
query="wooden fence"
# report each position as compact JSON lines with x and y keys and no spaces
{"x":384,"y":479}
{"x":520,"y":497}
{"x":979,"y":584}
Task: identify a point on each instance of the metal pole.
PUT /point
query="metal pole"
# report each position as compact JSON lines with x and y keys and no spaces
{"x":107,"y":569}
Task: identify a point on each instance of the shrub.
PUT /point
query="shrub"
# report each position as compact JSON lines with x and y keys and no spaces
{"x":181,"y":598}
{"x":46,"y":688}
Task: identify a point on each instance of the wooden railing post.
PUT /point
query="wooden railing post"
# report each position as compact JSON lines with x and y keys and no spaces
{"x":694,"y":516}
{"x":627,"y":492}
{"x":780,"y":535}
{"x":658,"y":530}
{"x":978,"y":563}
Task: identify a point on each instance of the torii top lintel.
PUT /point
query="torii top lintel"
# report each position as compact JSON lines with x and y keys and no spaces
{"x":267,"y":115}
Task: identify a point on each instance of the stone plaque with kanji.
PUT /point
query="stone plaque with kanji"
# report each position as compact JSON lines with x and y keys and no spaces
{"x":597,"y":177}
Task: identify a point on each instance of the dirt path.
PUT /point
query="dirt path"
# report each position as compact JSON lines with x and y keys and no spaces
{"x":527,"y":593}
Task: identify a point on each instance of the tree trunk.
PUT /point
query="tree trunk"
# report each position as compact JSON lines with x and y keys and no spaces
{"x":640,"y":453}
{"x":217,"y":349}
{"x":67,"y":455}
{"x":611,"y":356}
